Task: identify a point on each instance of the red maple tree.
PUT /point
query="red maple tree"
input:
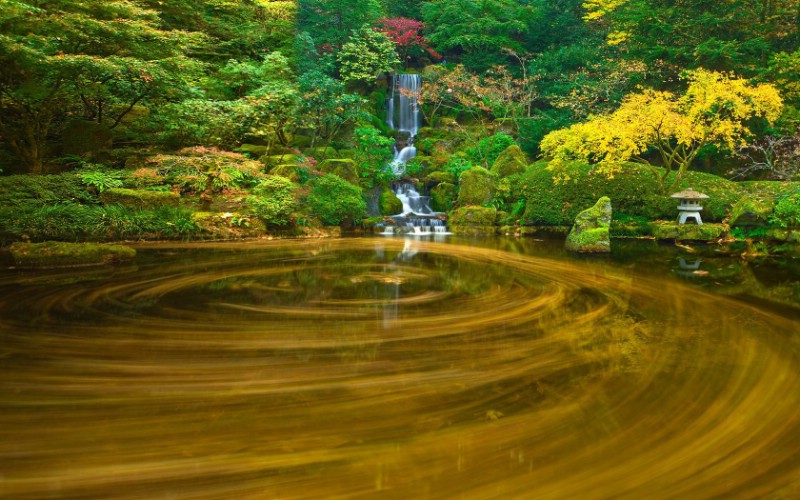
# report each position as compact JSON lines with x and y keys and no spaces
{"x":406,"y":34}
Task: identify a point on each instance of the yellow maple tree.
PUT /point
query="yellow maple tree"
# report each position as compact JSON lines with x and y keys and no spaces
{"x":715,"y":109}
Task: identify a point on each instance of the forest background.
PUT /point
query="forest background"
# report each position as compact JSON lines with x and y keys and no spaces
{"x":278,"y":108}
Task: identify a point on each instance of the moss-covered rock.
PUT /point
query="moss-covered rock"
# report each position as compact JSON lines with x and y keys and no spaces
{"x":288,"y":170}
{"x":476,"y":187}
{"x":272,"y":161}
{"x":389,"y":203}
{"x":321,"y":153}
{"x":511,"y":161}
{"x":435,"y":178}
{"x":139,"y":198}
{"x":342,"y":167}
{"x":751,"y":211}
{"x":60,"y":254}
{"x":664,"y":230}
{"x":443,"y":197}
{"x":17,"y":190}
{"x":472,"y":216}
{"x":590,"y":233}
{"x":254,"y":150}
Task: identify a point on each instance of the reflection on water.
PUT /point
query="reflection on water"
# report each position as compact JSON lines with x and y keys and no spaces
{"x":390,"y":369}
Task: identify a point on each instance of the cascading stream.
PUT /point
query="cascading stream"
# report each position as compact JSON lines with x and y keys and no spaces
{"x":403,"y":115}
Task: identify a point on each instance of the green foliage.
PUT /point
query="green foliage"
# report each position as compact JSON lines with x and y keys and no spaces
{"x":487,"y":150}
{"x":74,"y":222}
{"x":326,"y":107}
{"x":331,"y":21}
{"x":333,"y":200}
{"x":548,"y":203}
{"x":99,"y":177}
{"x":787,"y":211}
{"x":274,"y":200}
{"x":457,"y":166}
{"x":366,"y":54}
{"x":373,"y":155}
{"x":481,"y":32}
{"x":19,"y":190}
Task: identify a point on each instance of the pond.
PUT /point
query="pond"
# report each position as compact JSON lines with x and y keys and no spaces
{"x":382,"y":367}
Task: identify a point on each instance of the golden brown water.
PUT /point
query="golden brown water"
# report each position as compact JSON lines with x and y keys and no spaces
{"x":369,"y":368}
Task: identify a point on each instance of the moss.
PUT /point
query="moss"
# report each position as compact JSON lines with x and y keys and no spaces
{"x":590,"y":234}
{"x":624,"y":225}
{"x":439,"y":177}
{"x":17,"y":190}
{"x":253,"y":150}
{"x":511,"y":161}
{"x":321,"y":153}
{"x":751,"y":211}
{"x":663,"y":230}
{"x":476,"y":187}
{"x":290,"y":171}
{"x":272,"y":161}
{"x":443,"y":197}
{"x":389,"y":203}
{"x":473,"y":216}
{"x":60,"y":254}
{"x":781,"y":234}
{"x":634,"y":193}
{"x":341,"y":167}
{"x":138,"y":198}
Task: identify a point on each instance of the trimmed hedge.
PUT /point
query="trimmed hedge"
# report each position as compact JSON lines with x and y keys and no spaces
{"x":633,"y":193}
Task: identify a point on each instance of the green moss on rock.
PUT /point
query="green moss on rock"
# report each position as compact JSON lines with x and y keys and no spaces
{"x":590,"y":233}
{"x":341,"y":167}
{"x":389,"y":203}
{"x":60,"y":254}
{"x":439,"y":177}
{"x":473,"y":216}
{"x":443,"y":197}
{"x":476,"y":187}
{"x":664,"y":230}
{"x":751,"y":211}
{"x":511,"y":161}
{"x":139,"y":198}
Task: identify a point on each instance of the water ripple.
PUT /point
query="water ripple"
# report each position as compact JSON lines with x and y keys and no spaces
{"x":362,"y":368}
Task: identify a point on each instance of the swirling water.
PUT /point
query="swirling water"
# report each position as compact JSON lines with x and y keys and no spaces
{"x":383,"y":368}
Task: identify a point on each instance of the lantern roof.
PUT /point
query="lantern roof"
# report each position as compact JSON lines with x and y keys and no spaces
{"x":689,"y":194}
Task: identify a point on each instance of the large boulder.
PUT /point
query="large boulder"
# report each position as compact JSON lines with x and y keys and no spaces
{"x":476,"y":187}
{"x":590,"y":233}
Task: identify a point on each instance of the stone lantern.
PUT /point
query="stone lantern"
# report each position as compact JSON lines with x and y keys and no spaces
{"x":690,"y":205}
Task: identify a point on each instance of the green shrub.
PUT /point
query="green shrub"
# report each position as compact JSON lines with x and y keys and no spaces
{"x":273,"y":200}
{"x":633,"y":193}
{"x":334,"y":200}
{"x":489,"y":148}
{"x":17,"y":190}
{"x":99,"y":177}
{"x":787,"y":211}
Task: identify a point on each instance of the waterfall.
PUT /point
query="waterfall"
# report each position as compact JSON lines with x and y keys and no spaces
{"x":402,"y":115}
